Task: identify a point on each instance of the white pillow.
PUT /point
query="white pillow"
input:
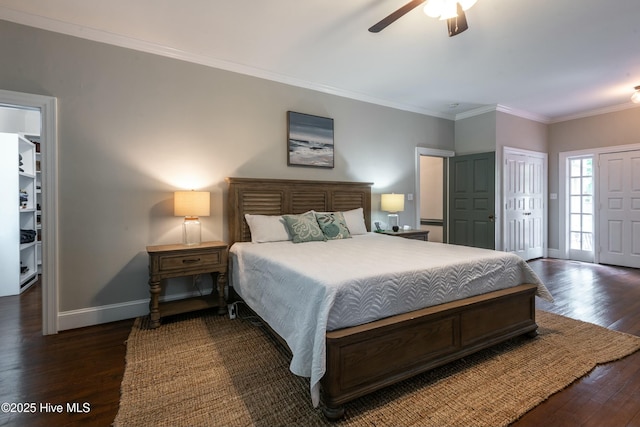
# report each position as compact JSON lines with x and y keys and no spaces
{"x":267,"y":228}
{"x":355,"y":221}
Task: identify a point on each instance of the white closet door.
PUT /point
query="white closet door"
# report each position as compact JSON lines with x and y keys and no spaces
{"x":619,"y":209}
{"x":524,"y":205}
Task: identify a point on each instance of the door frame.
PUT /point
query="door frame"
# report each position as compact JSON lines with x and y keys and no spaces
{"x":49,"y":152}
{"x":564,"y":200}
{"x":503,"y":191}
{"x":432,"y":152}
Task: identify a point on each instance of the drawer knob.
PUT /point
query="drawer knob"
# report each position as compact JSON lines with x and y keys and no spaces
{"x":190,"y":261}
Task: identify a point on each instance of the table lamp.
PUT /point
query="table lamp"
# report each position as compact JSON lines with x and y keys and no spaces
{"x":393,"y":203}
{"x":191,"y":205}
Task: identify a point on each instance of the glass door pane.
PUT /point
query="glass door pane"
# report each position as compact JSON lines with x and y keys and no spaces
{"x":580,"y":195}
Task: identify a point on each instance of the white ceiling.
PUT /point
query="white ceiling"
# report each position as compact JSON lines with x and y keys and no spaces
{"x":549,"y":60}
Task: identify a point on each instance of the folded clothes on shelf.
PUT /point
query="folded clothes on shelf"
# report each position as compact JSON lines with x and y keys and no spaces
{"x":27,"y":236}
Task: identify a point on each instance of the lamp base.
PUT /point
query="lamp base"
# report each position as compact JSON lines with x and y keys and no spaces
{"x":191,"y":234}
{"x":393,"y":223}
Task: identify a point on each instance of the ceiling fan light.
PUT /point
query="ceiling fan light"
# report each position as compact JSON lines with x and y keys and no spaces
{"x":449,"y":10}
{"x":635,"y":98}
{"x":433,"y":8}
{"x":466,"y":4}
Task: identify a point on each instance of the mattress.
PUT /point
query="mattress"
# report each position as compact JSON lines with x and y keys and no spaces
{"x":303,"y":290}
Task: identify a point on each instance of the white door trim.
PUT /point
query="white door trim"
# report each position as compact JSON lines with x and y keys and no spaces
{"x":506,"y":151}
{"x":49,"y":136}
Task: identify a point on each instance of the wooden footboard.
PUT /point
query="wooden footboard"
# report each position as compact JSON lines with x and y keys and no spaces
{"x":365,"y":358}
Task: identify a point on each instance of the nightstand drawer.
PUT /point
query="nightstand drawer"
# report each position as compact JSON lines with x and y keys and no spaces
{"x":195,"y":260}
{"x":408,"y":234}
{"x":422,"y":236}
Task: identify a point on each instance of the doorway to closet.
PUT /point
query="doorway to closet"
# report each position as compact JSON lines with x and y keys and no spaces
{"x":20,"y":245}
{"x":46,"y":106}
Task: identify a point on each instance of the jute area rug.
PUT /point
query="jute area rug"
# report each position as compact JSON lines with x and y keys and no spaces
{"x":207,"y":370}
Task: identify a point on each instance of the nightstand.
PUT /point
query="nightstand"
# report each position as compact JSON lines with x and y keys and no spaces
{"x":408,"y":234}
{"x":169,"y":261}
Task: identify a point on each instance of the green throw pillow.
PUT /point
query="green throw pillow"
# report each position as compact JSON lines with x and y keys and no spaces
{"x":304,"y":227}
{"x":333,"y":225}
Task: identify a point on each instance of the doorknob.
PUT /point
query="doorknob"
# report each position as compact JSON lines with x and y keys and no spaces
{"x":492,"y":218}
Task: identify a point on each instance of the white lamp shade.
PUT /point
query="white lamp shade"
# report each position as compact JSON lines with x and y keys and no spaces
{"x":192,"y":203}
{"x":392,"y":202}
{"x":635,"y":98}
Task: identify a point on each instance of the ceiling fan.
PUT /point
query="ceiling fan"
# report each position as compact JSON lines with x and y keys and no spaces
{"x":450,"y":10}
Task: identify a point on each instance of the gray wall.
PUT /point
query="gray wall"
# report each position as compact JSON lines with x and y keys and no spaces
{"x":476,"y":134}
{"x":134,"y":127}
{"x":516,"y":132}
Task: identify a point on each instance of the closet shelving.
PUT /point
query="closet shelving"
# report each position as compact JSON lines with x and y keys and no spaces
{"x":27,"y":209}
{"x":18,"y":202}
{"x":38,"y":171}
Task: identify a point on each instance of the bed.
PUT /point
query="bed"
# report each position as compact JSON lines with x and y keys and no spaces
{"x":339,"y":324}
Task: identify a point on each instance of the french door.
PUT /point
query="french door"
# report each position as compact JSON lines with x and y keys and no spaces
{"x":581,"y":208}
{"x":619,"y":209}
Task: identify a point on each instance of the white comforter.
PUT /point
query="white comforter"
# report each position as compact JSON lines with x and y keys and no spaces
{"x":302,"y":290}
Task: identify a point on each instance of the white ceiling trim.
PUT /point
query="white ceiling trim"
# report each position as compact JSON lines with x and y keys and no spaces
{"x":476,"y":112}
{"x":523,"y":114}
{"x":504,"y":109}
{"x":167,"y":51}
{"x":612,"y":109}
{"x":544,"y":119}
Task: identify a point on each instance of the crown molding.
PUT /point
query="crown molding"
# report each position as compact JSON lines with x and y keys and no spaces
{"x":523,"y":114}
{"x":544,"y":119}
{"x":504,"y":109}
{"x":596,"y":112}
{"x":476,"y":112}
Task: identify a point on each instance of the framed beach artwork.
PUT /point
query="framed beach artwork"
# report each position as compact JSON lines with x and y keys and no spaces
{"x":310,"y":140}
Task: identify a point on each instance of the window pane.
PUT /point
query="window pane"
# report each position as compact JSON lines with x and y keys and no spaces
{"x":575,"y":241}
{"x":575,"y":222}
{"x":575,"y":186}
{"x":575,"y":167}
{"x":587,"y":185}
{"x":575,"y":204}
{"x":587,"y":167}
{"x":581,"y":203}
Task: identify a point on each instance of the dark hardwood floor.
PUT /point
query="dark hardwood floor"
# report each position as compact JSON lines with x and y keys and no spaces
{"x":86,"y":365}
{"x":78,"y":366}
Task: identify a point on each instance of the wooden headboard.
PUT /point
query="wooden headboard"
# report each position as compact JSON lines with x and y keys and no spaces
{"x":280,"y":196}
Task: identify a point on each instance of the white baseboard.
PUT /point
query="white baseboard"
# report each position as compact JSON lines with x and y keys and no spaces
{"x":73,"y":319}
{"x":553,"y":253}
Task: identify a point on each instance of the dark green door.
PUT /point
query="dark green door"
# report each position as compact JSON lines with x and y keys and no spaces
{"x":472,"y":200}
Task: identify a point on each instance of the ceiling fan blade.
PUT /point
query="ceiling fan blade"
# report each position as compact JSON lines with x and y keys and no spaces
{"x":458,"y":24}
{"x":396,"y":15}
